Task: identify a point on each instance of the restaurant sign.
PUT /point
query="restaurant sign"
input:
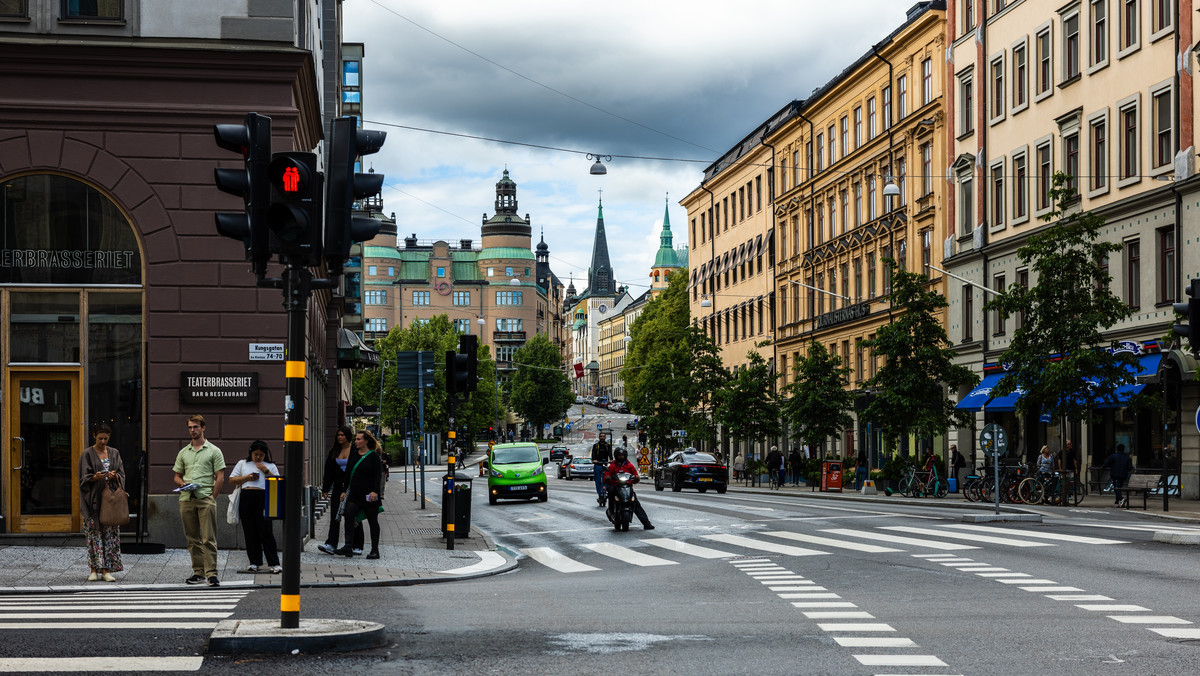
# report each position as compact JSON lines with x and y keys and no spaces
{"x":198,"y":387}
{"x":846,"y":314}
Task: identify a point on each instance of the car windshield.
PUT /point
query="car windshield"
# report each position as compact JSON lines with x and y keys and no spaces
{"x":515,"y":455}
{"x":698,"y":459}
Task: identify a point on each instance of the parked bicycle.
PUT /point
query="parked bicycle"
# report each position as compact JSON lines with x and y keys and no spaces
{"x":916,"y":484}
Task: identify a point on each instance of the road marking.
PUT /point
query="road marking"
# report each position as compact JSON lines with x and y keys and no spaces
{"x":1148,"y":619}
{"x":966,"y":536}
{"x":628,"y":555}
{"x":78,"y":607}
{"x":1082,"y":539}
{"x":126,"y":664}
{"x":487,"y":561}
{"x":874,"y":642}
{"x":830,"y":542}
{"x":899,"y":661}
{"x":1003,"y":575}
{"x":108,"y":625}
{"x":778,"y":577}
{"x":1017,"y":580}
{"x":798,"y":586}
{"x":838,"y":615}
{"x":1051,"y":589}
{"x":1112,"y":607}
{"x":1144,"y":529}
{"x":897,"y":539}
{"x":955,"y":561}
{"x":985,"y":569}
{"x":816,"y":593}
{"x":764,"y":546}
{"x":690,"y":549}
{"x":114,"y":616}
{"x":854,"y":626}
{"x":552,"y":559}
{"x":1077,"y":597}
{"x":1176,"y":632}
{"x":823,"y":604}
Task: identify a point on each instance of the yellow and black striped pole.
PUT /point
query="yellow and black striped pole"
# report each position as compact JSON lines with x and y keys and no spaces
{"x":296,"y":292}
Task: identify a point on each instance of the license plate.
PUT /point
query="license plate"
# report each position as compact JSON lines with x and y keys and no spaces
{"x":704,"y":479}
{"x":517,"y":488}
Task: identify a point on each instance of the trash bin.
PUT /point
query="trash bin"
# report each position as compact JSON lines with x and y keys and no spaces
{"x":831,"y":476}
{"x":457,"y":492}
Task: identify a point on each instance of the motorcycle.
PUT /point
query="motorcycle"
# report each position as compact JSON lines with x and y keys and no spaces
{"x":621,"y":499}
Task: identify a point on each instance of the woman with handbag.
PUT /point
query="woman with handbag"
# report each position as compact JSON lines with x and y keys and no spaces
{"x":99,"y":466}
{"x":337,"y":468}
{"x":249,"y":479}
{"x":362,"y":493}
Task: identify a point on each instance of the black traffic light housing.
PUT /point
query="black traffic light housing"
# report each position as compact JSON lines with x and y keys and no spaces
{"x":294,"y":214}
{"x":342,"y":227}
{"x":252,"y":139}
{"x":462,"y":366}
{"x":1190,"y":309}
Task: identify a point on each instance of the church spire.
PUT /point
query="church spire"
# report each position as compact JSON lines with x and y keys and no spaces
{"x":665,"y":258}
{"x":600,"y":274}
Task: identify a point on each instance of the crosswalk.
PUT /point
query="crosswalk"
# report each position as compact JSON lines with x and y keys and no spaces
{"x":948,"y":539}
{"x":116,"y":609}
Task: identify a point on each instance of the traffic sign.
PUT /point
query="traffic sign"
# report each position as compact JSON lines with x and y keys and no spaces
{"x":993,"y":439}
{"x":679,"y":434}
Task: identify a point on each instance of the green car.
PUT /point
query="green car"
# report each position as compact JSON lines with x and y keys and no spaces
{"x":516,"y":471}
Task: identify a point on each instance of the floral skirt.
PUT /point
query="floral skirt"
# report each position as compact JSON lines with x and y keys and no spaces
{"x":103,"y":546}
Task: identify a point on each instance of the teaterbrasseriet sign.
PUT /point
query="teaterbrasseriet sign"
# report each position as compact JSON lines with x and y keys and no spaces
{"x":198,"y":387}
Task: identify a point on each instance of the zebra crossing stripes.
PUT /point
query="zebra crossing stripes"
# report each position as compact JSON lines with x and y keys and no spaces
{"x":628,"y":555}
{"x":118,"y":609}
{"x":556,"y":561}
{"x":830,"y":542}
{"x":1025,"y":532}
{"x":989,"y":539}
{"x":750,"y":543}
{"x":99,"y":664}
{"x":690,"y":549}
{"x":898,"y":539}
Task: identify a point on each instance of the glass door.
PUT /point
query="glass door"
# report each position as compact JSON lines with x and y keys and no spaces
{"x":45,"y":439}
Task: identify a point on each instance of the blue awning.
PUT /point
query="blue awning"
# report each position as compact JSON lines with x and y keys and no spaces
{"x":981,"y":397}
{"x":1147,"y":368}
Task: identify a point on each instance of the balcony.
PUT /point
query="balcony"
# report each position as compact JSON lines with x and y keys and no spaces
{"x":508,"y":336}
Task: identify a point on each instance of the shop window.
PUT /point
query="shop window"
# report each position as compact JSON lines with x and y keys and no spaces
{"x":108,"y":10}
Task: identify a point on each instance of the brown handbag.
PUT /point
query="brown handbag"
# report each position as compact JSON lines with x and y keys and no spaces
{"x":114,"y":505}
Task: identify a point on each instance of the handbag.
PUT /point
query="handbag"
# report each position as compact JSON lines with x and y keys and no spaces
{"x":114,"y":505}
{"x":231,"y":513}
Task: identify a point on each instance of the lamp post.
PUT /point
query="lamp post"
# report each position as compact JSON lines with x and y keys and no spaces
{"x":598,"y":169}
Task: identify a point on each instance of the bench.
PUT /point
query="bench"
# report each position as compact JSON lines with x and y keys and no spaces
{"x":1143,"y":483}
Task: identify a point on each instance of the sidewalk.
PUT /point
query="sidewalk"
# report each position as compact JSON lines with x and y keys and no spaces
{"x":412,"y":551}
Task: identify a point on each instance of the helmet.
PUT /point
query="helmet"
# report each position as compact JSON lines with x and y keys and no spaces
{"x":621,"y":454}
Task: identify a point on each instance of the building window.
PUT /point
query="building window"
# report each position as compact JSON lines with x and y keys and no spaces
{"x":926,"y":252}
{"x":872,"y":198}
{"x":1070,"y":29}
{"x":858,"y":127}
{"x":845,"y":211}
{"x":509,"y":298}
{"x":820,"y":294}
{"x":1099,"y":150}
{"x":871,"y":130}
{"x":463,"y":326}
{"x":1020,"y":83}
{"x":1044,"y":175}
{"x":858,"y":204}
{"x":1164,"y":146}
{"x":1162,"y":16}
{"x":420,"y":298}
{"x":820,"y":152}
{"x":1071,"y":160}
{"x":858,"y":360}
{"x":997,"y":111}
{"x":376,"y":324}
{"x":510,"y":324}
{"x":372,"y":270}
{"x":846,"y":284}
{"x":1129,"y":25}
{"x":1023,"y":282}
{"x":375,"y":297}
{"x":887,"y":269}
{"x":14,"y":9}
{"x":812,"y":299}
{"x":858,"y":280}
{"x":968,"y":16}
{"x":1166,"y":265}
{"x":926,"y":81}
{"x":902,"y":180}
{"x":998,"y":319}
{"x":887,"y":107}
{"x":1099,"y":47}
{"x":902,"y":95}
{"x":871,"y":274}
{"x":820,"y":227}
{"x":968,"y":312}
{"x":832,"y":145}
{"x":1129,"y":141}
{"x":845,"y":135}
{"x":1133,"y":273}
{"x":998,"y":195}
{"x":108,"y":10}
{"x":966,"y":207}
{"x":1045,"y":57}
{"x":966,"y":96}
{"x":462,"y":298}
{"x":926,"y":169}
{"x":1020,"y":187}
{"x":832,"y":217}
{"x":758,"y":193}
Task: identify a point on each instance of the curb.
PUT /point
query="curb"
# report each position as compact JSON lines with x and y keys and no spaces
{"x":312,"y":636}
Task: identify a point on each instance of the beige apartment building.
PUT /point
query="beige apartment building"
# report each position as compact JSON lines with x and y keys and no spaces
{"x":1092,"y":89}
{"x":877,"y":128}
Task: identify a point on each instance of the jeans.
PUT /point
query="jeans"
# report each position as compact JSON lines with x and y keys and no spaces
{"x":199,"y":517}
{"x":598,"y":471}
{"x":1118,"y":484}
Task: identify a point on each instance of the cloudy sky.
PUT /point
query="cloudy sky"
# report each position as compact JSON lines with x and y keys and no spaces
{"x":675,"y":79}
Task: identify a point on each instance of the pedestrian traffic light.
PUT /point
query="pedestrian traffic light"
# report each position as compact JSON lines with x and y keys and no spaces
{"x":1190,"y":309}
{"x":294,"y":214}
{"x":252,"y":139}
{"x":347,"y":186}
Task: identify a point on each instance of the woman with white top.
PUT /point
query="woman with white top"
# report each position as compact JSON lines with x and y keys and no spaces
{"x":251,"y":476}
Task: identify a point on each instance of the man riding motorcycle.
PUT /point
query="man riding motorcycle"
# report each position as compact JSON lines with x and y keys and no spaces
{"x":621,"y":463}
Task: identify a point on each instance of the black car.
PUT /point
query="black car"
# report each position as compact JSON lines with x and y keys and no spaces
{"x":631,"y":425}
{"x":692,"y":469}
{"x":558,"y":453}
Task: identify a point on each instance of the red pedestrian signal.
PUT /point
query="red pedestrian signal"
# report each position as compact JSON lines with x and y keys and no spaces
{"x":294,"y":215}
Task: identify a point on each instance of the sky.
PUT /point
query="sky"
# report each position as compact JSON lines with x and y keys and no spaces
{"x":556,"y":79}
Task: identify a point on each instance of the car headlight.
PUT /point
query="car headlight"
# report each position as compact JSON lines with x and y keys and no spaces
{"x":540,"y":470}
{"x":495,"y":473}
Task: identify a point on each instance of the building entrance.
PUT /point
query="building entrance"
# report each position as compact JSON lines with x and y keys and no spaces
{"x":46,"y":437}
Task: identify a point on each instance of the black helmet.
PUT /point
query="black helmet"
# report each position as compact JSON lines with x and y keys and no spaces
{"x":621,"y":454}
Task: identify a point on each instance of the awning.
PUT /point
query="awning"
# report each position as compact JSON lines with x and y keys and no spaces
{"x":1147,"y":368}
{"x":353,"y":353}
{"x":980,"y":397}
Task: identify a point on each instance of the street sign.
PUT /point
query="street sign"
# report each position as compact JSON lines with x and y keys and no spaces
{"x":679,"y":434}
{"x":994,"y":439}
{"x":1198,"y":418}
{"x":407,"y":369}
{"x":599,"y":426}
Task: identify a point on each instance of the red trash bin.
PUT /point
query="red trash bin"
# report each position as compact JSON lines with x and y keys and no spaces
{"x":831,"y":476}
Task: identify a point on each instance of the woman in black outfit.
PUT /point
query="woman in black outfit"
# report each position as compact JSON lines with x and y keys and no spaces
{"x":365,"y":474}
{"x":334,"y":484}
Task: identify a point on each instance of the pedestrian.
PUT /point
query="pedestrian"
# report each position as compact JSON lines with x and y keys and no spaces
{"x":1068,"y":459}
{"x":797,"y":462}
{"x":199,"y":473}
{"x":601,"y":456}
{"x":775,"y":465}
{"x":100,"y":464}
{"x":1119,"y":468}
{"x":251,"y":475}
{"x":334,"y":484}
{"x":957,"y":462}
{"x":1045,"y":461}
{"x":860,"y":469}
{"x":362,"y":493}
{"x":739,"y":465}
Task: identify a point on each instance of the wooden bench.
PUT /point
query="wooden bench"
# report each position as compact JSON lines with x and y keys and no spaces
{"x":1143,"y":483}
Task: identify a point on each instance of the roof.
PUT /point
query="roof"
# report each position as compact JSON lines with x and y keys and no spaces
{"x":380,"y":252}
{"x":505,"y":252}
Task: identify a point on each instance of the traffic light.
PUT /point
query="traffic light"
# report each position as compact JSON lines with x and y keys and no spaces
{"x":294,"y":214}
{"x":342,"y":227}
{"x":1191,"y":309}
{"x":252,"y":139}
{"x":461,"y":366}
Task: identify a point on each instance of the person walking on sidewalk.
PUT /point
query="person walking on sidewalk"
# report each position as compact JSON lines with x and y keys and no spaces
{"x":775,"y":466}
{"x":251,"y":475}
{"x":1119,"y":468}
{"x":200,"y":464}
{"x":957,"y":462}
{"x":739,"y":465}
{"x":860,"y":469}
{"x":362,"y":493}
{"x":797,"y":462}
{"x":98,"y":465}
{"x":334,"y":484}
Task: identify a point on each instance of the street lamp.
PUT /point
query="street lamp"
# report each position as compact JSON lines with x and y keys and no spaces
{"x":598,"y":169}
{"x":704,"y":301}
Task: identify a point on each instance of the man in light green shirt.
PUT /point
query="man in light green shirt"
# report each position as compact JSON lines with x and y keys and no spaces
{"x":200,"y":464}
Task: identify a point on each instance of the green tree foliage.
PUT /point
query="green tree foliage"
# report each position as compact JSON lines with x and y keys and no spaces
{"x":816,"y":403}
{"x":540,"y":391}
{"x":1057,"y":356}
{"x":911,"y":386}
{"x":745,"y":407}
{"x":437,"y":336}
{"x":672,"y":369}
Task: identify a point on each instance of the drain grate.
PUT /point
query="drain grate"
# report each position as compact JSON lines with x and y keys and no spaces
{"x":425,"y":531}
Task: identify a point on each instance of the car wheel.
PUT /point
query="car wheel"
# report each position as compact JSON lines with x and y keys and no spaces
{"x":676,"y":486}
{"x":542,"y":497}
{"x":702,"y":490}
{"x":658,"y":484}
{"x":491,"y":499}
{"x":569,"y":477}
{"x":721,"y":490}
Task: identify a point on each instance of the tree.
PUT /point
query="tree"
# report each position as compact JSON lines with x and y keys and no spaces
{"x":816,"y":403}
{"x":1057,"y":358}
{"x":539,"y":391}
{"x":911,"y":386}
{"x":744,"y":408}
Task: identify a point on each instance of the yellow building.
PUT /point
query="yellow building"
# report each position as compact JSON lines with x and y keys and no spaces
{"x":859,"y":181}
